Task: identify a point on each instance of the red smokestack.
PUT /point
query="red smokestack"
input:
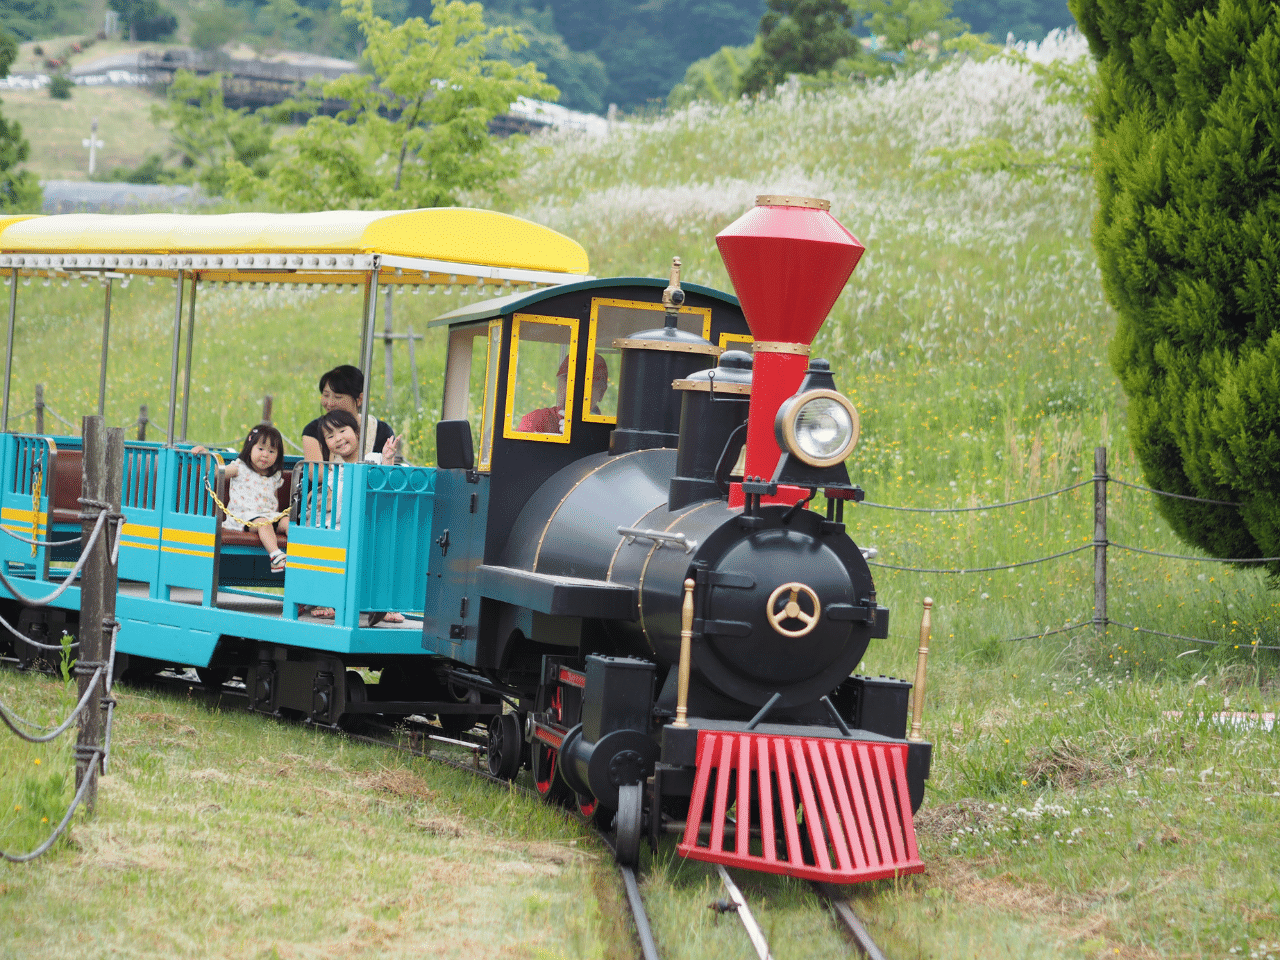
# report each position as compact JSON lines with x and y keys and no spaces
{"x":788,"y":260}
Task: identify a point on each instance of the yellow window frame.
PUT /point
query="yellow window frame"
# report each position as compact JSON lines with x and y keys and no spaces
{"x":513,"y":367}
{"x":596,"y":304}
{"x":736,"y":341}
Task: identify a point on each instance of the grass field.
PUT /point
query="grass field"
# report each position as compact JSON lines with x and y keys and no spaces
{"x":55,"y":128}
{"x":1080,"y":806}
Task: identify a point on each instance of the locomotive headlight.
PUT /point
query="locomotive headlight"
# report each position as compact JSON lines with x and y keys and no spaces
{"x":818,"y":426}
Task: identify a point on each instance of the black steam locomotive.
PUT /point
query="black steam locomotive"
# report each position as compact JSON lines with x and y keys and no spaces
{"x":638,"y":573}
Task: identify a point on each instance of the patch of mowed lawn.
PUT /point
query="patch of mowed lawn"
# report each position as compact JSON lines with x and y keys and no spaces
{"x":55,"y":129}
{"x":219,"y":833}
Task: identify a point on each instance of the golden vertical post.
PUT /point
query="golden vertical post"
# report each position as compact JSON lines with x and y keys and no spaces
{"x":922,"y":657}
{"x":674,"y":283}
{"x":686,"y":656}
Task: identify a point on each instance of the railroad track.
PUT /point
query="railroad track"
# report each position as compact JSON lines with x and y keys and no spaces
{"x":422,"y":739}
{"x":844,"y":914}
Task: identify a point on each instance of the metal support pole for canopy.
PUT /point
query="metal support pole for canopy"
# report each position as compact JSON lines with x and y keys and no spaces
{"x":106,"y":339}
{"x":387,"y":338}
{"x":8,"y":353}
{"x":366,"y":357}
{"x":364,"y":329}
{"x":173,"y":363}
{"x":191,"y":339}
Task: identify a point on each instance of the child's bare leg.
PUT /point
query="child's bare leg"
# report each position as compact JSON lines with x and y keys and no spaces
{"x":267,"y":534}
{"x":283,"y":525}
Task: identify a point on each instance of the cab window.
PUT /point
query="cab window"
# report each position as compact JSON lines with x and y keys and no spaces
{"x":617,"y":319}
{"x":471,"y":380}
{"x":541,"y":379}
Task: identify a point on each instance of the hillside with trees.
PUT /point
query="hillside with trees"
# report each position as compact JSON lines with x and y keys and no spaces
{"x":19,"y":191}
{"x":596,"y":52}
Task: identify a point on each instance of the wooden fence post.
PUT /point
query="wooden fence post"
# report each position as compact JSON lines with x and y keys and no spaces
{"x":142,"y":422}
{"x":1100,"y":541}
{"x":101,"y":485}
{"x":266,"y":408}
{"x":39,"y":409}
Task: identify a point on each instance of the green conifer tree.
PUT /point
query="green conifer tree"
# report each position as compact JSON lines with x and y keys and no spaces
{"x":799,"y":36}
{"x":1187,"y":169}
{"x":19,"y":190}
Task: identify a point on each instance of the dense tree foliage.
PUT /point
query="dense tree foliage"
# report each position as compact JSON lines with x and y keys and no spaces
{"x":144,"y":19}
{"x":33,"y":19}
{"x":716,"y":79}
{"x":580,"y":76}
{"x":646,"y":47}
{"x":19,"y":191}
{"x":204,"y":134}
{"x":800,"y":36}
{"x":1187,"y":170}
{"x":416,"y":131}
{"x":1025,"y":19}
{"x":905,"y":25}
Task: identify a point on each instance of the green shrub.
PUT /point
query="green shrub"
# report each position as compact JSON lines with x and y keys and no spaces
{"x":1188,"y":181}
{"x":60,"y":86}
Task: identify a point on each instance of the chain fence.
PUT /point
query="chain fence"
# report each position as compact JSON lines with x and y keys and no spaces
{"x":94,"y":676}
{"x":142,"y":425}
{"x":1100,"y":544}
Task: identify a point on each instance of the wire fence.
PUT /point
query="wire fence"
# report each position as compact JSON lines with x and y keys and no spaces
{"x":1100,"y":545}
{"x":94,"y":676}
{"x":142,"y":426}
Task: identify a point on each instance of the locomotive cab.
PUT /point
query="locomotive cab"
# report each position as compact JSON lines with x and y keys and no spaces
{"x":535,"y":377}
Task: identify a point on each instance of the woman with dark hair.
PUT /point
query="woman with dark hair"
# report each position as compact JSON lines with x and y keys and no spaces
{"x":342,"y":388}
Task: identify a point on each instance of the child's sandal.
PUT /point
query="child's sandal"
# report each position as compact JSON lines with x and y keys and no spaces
{"x":278,"y":562}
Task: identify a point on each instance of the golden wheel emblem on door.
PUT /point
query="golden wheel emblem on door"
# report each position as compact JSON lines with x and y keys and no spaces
{"x":790,"y":609}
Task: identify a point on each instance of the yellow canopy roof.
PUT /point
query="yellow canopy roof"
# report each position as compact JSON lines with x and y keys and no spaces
{"x":5,"y":221}
{"x":439,"y":241}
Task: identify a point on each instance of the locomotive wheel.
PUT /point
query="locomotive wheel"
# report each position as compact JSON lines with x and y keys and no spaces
{"x":587,"y":806}
{"x":629,"y":824}
{"x":505,"y":746}
{"x":213,"y":677}
{"x":455,"y":723}
{"x":356,"y":693}
{"x":546,"y":775}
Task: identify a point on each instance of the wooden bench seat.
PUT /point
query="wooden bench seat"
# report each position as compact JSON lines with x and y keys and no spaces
{"x":68,"y":480}
{"x":67,"y":485}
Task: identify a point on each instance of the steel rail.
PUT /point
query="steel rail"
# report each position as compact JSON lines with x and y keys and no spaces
{"x":743,"y":911}
{"x":850,"y":921}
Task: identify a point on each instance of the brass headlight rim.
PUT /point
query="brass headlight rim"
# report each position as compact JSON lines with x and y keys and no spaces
{"x":791,"y":408}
